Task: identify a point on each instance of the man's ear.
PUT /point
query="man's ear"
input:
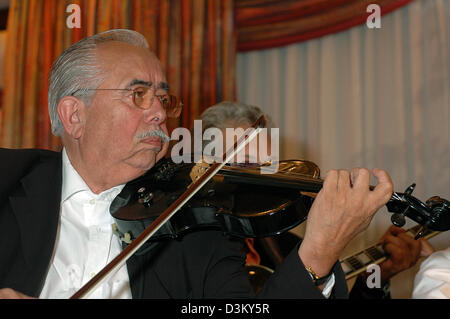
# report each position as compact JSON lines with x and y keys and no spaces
{"x":72,"y":114}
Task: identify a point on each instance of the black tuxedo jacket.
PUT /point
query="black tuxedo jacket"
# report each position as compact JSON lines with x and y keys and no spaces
{"x":203,"y":264}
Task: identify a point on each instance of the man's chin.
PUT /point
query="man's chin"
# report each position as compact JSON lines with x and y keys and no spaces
{"x":145,"y":165}
{"x":142,"y":161}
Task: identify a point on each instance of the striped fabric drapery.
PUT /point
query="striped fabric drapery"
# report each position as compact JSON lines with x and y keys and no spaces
{"x":264,"y":24}
{"x":194,"y":39}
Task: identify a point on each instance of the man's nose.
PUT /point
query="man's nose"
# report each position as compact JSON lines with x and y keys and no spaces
{"x":156,"y":114}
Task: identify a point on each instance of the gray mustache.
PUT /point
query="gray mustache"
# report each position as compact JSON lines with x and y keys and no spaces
{"x":152,"y":133}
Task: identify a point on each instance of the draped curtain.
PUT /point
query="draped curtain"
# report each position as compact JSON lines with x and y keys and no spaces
{"x":194,"y":39}
{"x":263,"y":24}
{"x":365,"y":98}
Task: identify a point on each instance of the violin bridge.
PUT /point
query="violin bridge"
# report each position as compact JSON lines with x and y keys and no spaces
{"x":198,"y":170}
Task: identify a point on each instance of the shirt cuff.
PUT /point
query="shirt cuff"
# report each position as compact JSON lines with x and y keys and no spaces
{"x":328,"y":287}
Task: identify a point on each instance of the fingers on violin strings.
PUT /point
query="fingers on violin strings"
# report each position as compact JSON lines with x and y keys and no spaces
{"x":360,"y":178}
{"x":331,"y":180}
{"x":353,"y":175}
{"x":343,"y":180}
{"x":384,"y":188}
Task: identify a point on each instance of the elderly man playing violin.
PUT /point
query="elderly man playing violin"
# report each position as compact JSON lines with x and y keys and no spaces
{"x":109,"y":102}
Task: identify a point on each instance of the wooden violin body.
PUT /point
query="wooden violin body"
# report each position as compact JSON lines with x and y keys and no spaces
{"x":234,"y":204}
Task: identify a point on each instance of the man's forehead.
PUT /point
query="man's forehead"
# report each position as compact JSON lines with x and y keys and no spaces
{"x":132,"y":65}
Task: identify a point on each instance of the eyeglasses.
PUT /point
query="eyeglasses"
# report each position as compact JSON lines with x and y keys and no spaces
{"x":170,"y":103}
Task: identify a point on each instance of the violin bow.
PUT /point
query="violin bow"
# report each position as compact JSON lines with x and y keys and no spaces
{"x":114,"y":265}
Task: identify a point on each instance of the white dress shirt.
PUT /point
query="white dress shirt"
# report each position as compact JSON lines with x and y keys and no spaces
{"x":85,"y":243}
{"x":433,"y":279}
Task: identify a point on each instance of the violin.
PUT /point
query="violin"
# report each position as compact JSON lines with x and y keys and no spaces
{"x":236,"y":200}
{"x":241,"y":202}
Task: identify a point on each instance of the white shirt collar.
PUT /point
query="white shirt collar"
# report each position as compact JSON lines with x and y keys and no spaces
{"x":73,"y":183}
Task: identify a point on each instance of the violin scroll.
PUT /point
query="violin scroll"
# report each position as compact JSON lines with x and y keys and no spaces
{"x":432,"y":215}
{"x":398,"y":218}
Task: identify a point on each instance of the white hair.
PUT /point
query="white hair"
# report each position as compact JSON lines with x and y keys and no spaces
{"x":77,"y":69}
{"x":232,"y":114}
{"x":229,"y":114}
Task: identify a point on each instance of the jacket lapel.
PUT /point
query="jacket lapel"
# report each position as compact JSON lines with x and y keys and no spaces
{"x":36,"y":206}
